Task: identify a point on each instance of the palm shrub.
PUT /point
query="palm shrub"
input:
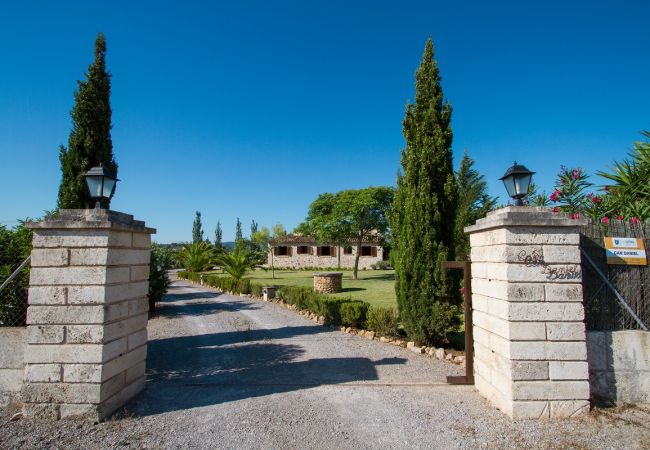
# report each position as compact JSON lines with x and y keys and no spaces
{"x":236,"y":263}
{"x":630,"y":193}
{"x":195,"y":257}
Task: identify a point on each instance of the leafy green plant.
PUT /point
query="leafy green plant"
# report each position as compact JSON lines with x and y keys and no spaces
{"x":195,"y":257}
{"x":382,"y":320}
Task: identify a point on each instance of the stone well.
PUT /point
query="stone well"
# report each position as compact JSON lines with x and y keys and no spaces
{"x":328,"y":282}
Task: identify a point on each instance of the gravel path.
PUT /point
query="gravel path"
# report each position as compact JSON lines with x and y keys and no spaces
{"x":231,"y":372}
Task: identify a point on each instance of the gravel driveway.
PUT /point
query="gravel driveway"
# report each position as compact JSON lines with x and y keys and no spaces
{"x":231,"y":372}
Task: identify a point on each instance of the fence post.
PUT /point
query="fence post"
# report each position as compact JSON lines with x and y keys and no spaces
{"x":87,"y":314}
{"x":529,"y":335}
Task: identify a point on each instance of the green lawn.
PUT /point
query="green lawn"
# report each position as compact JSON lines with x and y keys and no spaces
{"x":376,"y":287}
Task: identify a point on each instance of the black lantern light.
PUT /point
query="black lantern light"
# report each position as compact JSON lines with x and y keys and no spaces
{"x":517,"y":182}
{"x":101,"y":184}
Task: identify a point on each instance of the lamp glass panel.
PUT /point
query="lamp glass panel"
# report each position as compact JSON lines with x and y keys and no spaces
{"x":109,"y":184}
{"x":94,"y":183}
{"x":509,"y":183}
{"x":522,"y":183}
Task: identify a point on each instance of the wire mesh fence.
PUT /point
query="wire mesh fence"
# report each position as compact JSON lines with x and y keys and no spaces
{"x":15,"y":248}
{"x":14,"y":281}
{"x":603,"y":310}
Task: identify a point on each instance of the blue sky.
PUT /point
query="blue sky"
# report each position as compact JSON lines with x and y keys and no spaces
{"x":251,"y":109}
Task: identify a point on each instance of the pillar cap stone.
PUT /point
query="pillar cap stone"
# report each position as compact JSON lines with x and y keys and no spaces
{"x":90,"y":219}
{"x":523,"y":216}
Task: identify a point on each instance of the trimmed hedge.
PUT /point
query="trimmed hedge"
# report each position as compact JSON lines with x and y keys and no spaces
{"x":337,"y":311}
{"x":353,"y":314}
{"x":228,"y":284}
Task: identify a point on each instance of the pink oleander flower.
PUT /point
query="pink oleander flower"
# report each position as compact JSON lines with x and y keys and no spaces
{"x":595,"y":200}
{"x":555,"y":196}
{"x":575,"y":216}
{"x":556,"y":210}
{"x":605,"y":220}
{"x":575,"y":173}
{"x":619,"y":217}
{"x":607,"y":188}
{"x":635,"y":220}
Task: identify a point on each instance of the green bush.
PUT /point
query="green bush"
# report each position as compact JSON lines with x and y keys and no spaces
{"x":15,"y":246}
{"x":161,"y":261}
{"x":256,"y":290}
{"x":382,"y":320}
{"x":444,"y":320}
{"x":353,"y":313}
{"x":381,"y":265}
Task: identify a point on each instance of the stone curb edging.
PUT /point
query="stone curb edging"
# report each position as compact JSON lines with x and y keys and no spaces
{"x":442,"y":354}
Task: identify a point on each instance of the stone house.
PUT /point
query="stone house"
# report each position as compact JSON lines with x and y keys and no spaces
{"x":297,"y":252}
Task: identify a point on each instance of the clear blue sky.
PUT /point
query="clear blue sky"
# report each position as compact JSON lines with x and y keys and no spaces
{"x":251,"y":109}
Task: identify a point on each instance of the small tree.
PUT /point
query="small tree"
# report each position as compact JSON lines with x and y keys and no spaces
{"x":197,"y":229}
{"x":253,"y":228}
{"x":355,"y":215}
{"x":472,"y":205}
{"x":90,"y":141}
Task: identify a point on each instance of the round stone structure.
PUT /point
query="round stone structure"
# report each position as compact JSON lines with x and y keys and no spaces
{"x":328,"y":282}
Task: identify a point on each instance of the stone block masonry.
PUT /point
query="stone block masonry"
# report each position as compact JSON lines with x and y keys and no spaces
{"x":328,"y":282}
{"x":529,"y":335}
{"x":87,"y":315}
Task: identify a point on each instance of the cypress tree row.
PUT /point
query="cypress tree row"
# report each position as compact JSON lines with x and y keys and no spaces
{"x":422,"y":222}
{"x":90,"y":142}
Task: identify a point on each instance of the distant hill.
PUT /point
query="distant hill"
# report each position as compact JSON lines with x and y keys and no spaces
{"x":229,"y":245}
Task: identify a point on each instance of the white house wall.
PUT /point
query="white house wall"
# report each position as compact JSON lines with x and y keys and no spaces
{"x":296,"y":261}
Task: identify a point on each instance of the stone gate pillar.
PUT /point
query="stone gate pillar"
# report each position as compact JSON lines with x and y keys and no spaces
{"x":87,"y":314}
{"x":529,"y":336}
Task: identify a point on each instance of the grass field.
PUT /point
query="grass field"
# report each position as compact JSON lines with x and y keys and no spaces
{"x":376,"y":287}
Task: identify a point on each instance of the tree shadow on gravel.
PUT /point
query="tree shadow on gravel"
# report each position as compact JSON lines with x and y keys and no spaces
{"x":207,"y":303}
{"x":194,"y":371}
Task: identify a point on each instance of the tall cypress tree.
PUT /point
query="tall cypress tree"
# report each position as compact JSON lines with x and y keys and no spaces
{"x":90,"y":142}
{"x":218,"y":235}
{"x":197,"y":229}
{"x":238,"y":233}
{"x":422,"y":222}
